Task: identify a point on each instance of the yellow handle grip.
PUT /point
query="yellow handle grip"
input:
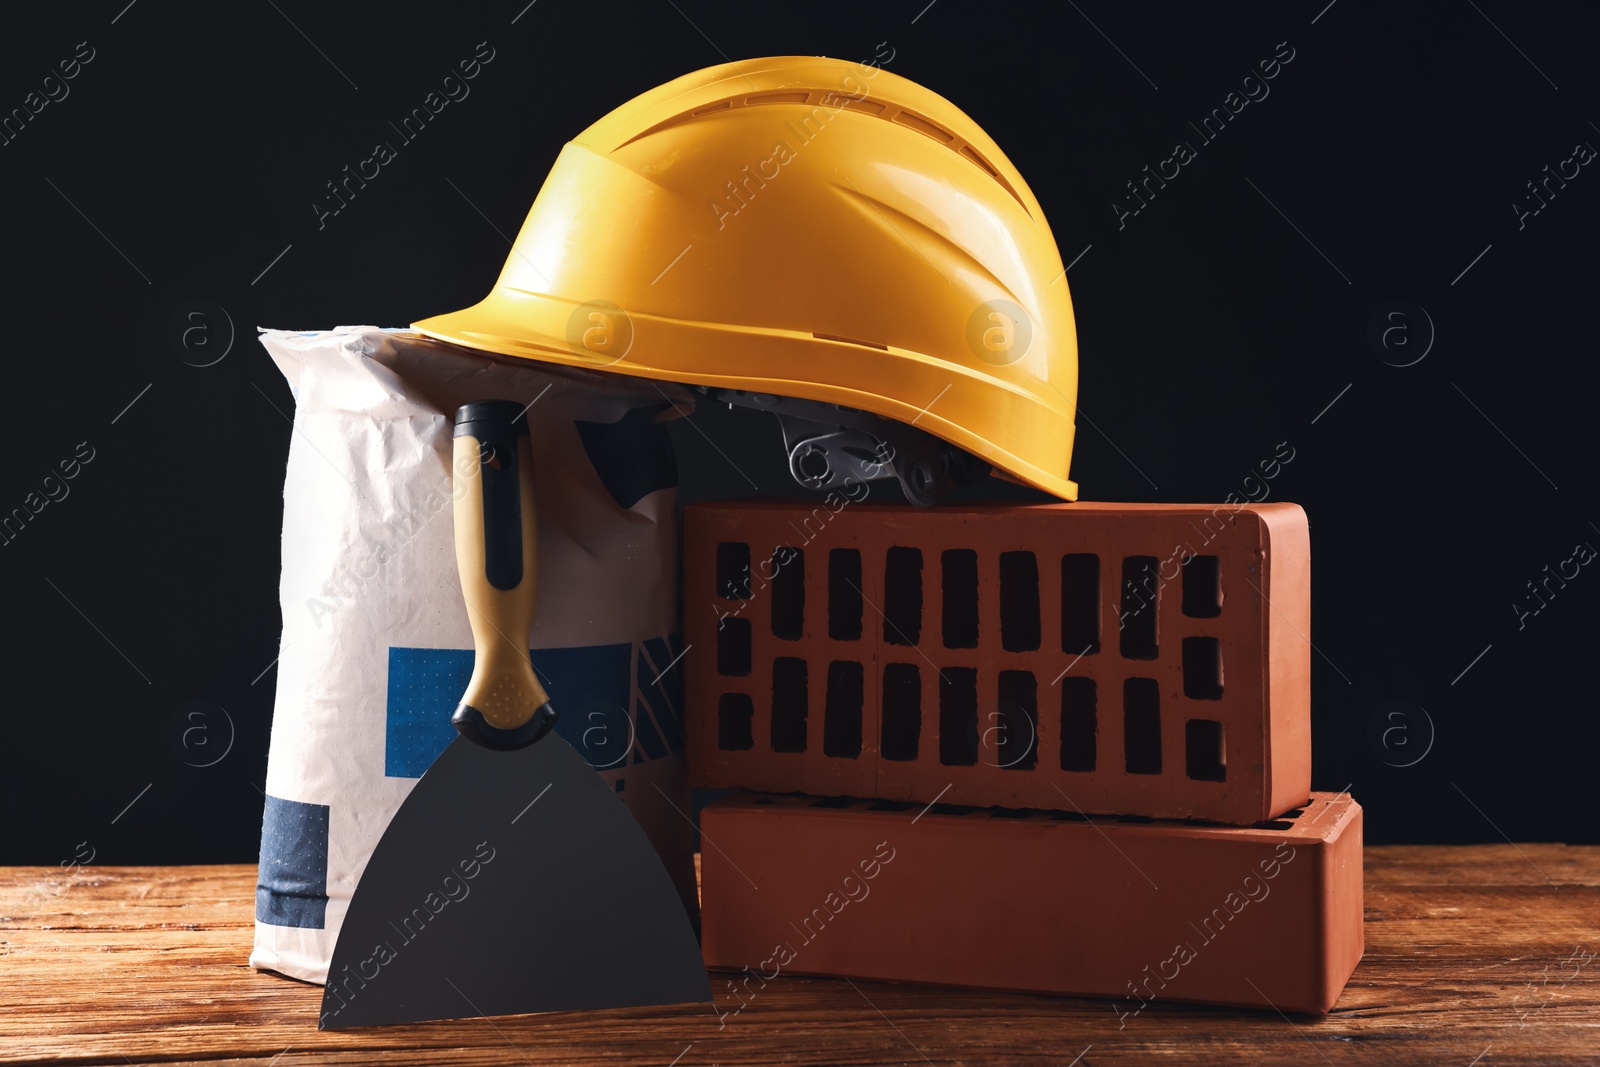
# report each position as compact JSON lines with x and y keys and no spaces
{"x":504,"y":705}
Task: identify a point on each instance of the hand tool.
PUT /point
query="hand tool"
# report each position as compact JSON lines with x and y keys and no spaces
{"x":512,"y":879}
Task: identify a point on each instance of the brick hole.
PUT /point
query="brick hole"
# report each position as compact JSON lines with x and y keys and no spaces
{"x":1135,"y":818}
{"x":1080,"y":603}
{"x":835,"y":802}
{"x":1078,"y":725}
{"x":788,"y":593}
{"x":733,"y":647}
{"x":1293,"y":813}
{"x":1202,"y":668}
{"x":736,"y":714}
{"x":890,"y":805}
{"x":1205,"y":759}
{"x":1069,"y":816}
{"x":958,"y":717}
{"x":902,"y":596}
{"x":1140,"y":603}
{"x":1019,"y":601}
{"x":959,"y":577}
{"x":841,"y":712}
{"x":1017,"y":721}
{"x":1141,"y":725}
{"x":788,"y":704}
{"x":733,"y":570}
{"x":1273,"y":824}
{"x":902,"y":711}
{"x":1202,"y":587}
{"x":844,"y":594}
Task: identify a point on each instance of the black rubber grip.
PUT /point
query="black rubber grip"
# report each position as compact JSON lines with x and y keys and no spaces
{"x":470,"y":723}
{"x":498,"y":425}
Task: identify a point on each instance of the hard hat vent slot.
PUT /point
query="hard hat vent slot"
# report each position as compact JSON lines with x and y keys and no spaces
{"x":776,"y":98}
{"x":972,"y":154}
{"x":871,"y":107}
{"x":824,"y":98}
{"x":922,"y":125}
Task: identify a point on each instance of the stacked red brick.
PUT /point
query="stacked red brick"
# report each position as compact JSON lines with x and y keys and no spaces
{"x":1128,"y":659}
{"x":998,"y":898}
{"x":1137,"y":660}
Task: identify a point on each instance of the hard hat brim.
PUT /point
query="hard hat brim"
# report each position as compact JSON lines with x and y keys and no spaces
{"x":535,"y":326}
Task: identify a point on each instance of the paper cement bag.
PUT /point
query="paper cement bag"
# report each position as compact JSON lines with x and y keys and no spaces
{"x":376,"y":646}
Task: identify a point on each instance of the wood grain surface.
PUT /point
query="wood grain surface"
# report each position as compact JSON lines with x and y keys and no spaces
{"x":1476,"y":955}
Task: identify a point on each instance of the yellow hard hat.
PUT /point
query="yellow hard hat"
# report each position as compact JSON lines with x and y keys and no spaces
{"x":804,"y":228}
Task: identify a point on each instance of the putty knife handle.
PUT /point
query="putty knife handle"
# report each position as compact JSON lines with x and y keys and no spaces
{"x":504,"y":706}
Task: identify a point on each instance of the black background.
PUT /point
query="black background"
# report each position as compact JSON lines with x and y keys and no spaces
{"x":188,"y":155}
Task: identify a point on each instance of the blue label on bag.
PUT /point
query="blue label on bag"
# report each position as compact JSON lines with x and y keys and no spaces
{"x":620,"y":704}
{"x":292,"y":882}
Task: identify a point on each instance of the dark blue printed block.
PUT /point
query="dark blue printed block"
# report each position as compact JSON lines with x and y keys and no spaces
{"x":591,"y":686}
{"x":292,"y":883}
{"x":424,"y":686}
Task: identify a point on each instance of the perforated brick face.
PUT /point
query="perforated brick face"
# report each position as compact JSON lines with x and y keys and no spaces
{"x":1114,"y":658}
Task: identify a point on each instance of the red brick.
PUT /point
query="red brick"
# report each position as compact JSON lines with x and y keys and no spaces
{"x":1134,"y":911}
{"x":748,"y":655}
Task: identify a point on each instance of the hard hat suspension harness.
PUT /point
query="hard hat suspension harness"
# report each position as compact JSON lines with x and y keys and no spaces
{"x":831,"y":445}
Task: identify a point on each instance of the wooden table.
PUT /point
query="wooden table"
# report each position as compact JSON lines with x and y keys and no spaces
{"x":1475,"y":956}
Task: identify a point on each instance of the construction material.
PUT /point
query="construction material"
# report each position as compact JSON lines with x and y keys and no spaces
{"x":1141,"y":911}
{"x":376,"y":643}
{"x":1123,"y":658}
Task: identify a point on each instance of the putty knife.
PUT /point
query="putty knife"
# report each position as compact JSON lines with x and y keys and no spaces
{"x":512,"y":879}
